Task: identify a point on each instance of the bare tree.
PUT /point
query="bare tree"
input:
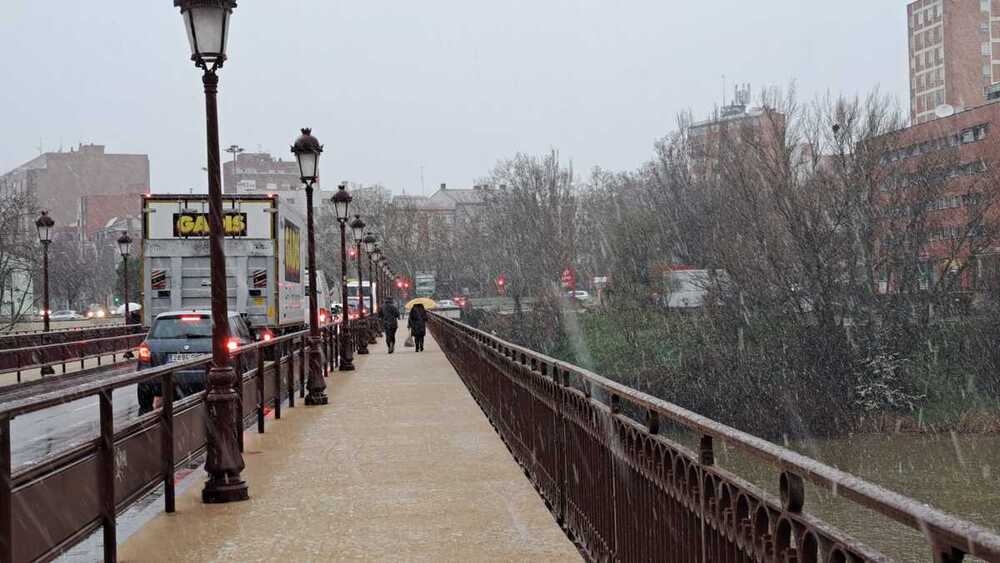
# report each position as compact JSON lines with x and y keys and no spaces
{"x":18,"y":253}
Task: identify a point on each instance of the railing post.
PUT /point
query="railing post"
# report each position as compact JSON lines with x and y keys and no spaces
{"x":237,"y":362}
{"x":261,"y":400}
{"x":107,"y":478}
{"x":167,"y":440}
{"x":290,"y":376}
{"x":278,"y":357}
{"x":6,"y":494}
{"x":303,"y":360}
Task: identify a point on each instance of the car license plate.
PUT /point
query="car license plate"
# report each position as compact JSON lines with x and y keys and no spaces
{"x":181,"y":357}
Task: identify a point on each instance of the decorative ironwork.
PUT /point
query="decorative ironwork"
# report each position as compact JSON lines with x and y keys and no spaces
{"x":624,"y":492}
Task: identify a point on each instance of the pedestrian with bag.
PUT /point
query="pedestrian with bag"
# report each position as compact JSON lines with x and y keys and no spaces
{"x":418,"y":325}
{"x":389,"y":314}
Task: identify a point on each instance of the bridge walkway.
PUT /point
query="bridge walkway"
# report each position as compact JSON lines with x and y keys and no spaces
{"x":401,"y":465}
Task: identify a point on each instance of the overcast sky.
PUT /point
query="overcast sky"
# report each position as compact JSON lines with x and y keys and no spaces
{"x":391,"y":86}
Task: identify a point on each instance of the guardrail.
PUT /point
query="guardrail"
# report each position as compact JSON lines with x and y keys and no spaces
{"x":54,"y":503}
{"x":38,"y":338}
{"x":626,"y":493}
{"x":49,"y":355}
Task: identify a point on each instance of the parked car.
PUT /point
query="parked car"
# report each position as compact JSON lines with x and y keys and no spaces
{"x":177,"y":336}
{"x":446,"y":304}
{"x":580,"y":295}
{"x":66,"y":315}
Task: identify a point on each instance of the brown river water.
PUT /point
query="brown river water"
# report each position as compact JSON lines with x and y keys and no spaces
{"x":959,"y":474}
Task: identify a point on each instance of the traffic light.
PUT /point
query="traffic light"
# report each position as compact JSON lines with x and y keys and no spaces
{"x":352,"y":252}
{"x":501,"y":284}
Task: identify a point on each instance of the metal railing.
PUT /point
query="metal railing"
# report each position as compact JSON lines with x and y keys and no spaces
{"x":39,"y":338}
{"x":48,"y":355}
{"x":624,"y":492}
{"x":56,"y":502}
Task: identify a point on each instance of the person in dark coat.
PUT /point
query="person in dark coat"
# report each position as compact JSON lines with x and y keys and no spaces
{"x":418,"y":325}
{"x":390,"y":322}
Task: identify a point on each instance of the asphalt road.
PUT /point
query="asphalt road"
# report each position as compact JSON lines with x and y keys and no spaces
{"x":49,"y":431}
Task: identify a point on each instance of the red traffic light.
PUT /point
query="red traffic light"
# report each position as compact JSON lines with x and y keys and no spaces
{"x":501,"y":281}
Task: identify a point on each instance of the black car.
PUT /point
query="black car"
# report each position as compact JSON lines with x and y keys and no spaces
{"x":184,"y":335}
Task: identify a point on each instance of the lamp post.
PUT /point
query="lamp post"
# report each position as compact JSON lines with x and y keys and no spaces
{"x":125,"y":247}
{"x":342,"y":204}
{"x":307,"y":150}
{"x":358,"y":230}
{"x":369,"y":243}
{"x":44,"y":224}
{"x":376,"y":258}
{"x":207,"y":25}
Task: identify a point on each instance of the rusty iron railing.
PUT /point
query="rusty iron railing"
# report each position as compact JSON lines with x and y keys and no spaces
{"x":56,"y":502}
{"x":39,"y":338}
{"x":625,"y":492}
{"x":49,"y":355}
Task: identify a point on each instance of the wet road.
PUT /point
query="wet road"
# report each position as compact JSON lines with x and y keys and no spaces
{"x":53,"y":430}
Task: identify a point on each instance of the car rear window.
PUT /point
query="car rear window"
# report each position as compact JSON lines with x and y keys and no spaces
{"x":187,"y":326}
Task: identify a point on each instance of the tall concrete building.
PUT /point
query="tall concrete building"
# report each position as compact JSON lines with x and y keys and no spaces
{"x":954,"y":55}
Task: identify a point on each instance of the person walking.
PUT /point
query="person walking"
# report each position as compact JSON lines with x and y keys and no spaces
{"x":418,"y":325}
{"x":390,"y":322}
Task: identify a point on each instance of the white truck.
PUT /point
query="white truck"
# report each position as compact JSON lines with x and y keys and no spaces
{"x":265,"y":249}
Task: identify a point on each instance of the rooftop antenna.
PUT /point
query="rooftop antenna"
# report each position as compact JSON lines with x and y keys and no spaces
{"x":39,"y":147}
{"x":723,"y":90}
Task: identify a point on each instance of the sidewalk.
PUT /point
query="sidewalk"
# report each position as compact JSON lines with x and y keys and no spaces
{"x":401,"y":465}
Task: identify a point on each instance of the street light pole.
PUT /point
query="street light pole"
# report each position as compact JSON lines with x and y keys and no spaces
{"x":235,"y":150}
{"x":207,"y":26}
{"x":358,"y":229}
{"x":341,"y":203}
{"x":369,"y":245}
{"x":307,"y":150}
{"x":125,"y":247}
{"x":44,"y":224}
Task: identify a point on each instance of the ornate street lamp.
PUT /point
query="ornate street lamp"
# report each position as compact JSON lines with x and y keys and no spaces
{"x":369,"y":243}
{"x":307,"y":150}
{"x":358,"y":230}
{"x":125,"y":248}
{"x":207,"y":25}
{"x":342,"y":205}
{"x":44,"y":224}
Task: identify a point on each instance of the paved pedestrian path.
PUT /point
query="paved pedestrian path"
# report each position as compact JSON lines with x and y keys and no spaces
{"x":400,"y":466}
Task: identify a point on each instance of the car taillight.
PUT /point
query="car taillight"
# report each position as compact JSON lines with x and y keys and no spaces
{"x":322,"y":318}
{"x":268,"y":337}
{"x":233,"y":344}
{"x":145,"y":355}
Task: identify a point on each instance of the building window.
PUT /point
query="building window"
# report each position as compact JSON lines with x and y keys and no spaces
{"x":984,"y":28}
{"x":984,"y":5}
{"x":985,"y":49}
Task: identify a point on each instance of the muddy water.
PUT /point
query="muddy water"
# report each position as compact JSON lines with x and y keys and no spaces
{"x":957,"y":474}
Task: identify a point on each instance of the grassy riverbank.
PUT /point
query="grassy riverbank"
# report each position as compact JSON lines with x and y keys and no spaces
{"x":763,"y":384}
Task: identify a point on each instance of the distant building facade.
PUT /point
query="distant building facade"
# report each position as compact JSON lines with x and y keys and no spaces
{"x":58,"y":180}
{"x":249,"y":173}
{"x":941,"y":183}
{"x":954,"y":55}
{"x":733,"y":125}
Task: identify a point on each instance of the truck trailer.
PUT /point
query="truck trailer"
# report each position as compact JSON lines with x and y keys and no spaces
{"x":265,"y":258}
